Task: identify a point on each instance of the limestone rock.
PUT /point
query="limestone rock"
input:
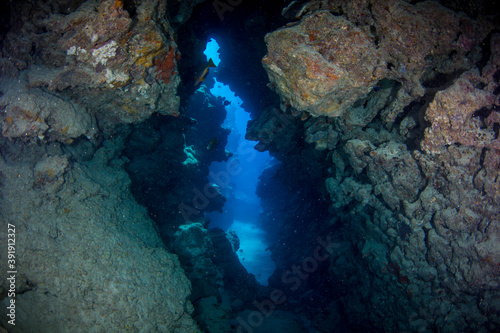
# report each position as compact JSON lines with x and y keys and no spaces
{"x":35,"y":114}
{"x":117,"y":61}
{"x":88,"y":248}
{"x":323,"y":64}
{"x":454,"y":119}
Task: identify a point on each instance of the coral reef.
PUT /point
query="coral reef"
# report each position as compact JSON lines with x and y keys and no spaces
{"x":35,"y":114}
{"x":74,"y":74}
{"x":85,"y":246}
{"x":412,"y":155}
{"x":324,"y":71}
{"x":216,"y":273}
{"x":124,"y":57}
{"x":455,"y":116}
{"x":314,"y":74}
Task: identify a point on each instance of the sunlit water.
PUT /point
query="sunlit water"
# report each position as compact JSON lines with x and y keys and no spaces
{"x":243,"y":205}
{"x":252,"y":253}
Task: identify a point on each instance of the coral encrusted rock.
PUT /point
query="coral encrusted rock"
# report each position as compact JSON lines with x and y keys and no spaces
{"x":116,"y":60}
{"x":327,"y":65}
{"x":323,"y":64}
{"x":87,"y":256}
{"x":455,"y":116}
{"x":413,"y":160}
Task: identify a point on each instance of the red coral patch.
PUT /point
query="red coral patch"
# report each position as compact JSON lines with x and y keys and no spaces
{"x":166,"y":65}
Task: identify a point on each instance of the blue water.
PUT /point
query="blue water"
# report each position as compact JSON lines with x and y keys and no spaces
{"x":242,"y":209}
{"x":212,"y":51}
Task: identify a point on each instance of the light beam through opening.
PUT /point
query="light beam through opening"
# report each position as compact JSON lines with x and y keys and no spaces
{"x":242,"y":208}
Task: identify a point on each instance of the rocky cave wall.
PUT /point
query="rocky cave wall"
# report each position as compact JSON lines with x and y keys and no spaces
{"x":393,"y":116}
{"x":86,"y":253}
{"x":169,"y":160}
{"x":75,"y":77}
{"x":93,"y":131}
{"x":402,"y":99}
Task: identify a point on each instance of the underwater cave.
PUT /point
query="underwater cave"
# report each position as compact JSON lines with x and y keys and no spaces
{"x":249,"y":166}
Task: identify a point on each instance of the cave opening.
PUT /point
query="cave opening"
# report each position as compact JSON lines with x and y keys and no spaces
{"x":242,"y":209}
{"x":276,"y":207}
{"x":204,"y":182}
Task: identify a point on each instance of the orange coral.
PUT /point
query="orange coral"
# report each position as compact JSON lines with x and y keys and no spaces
{"x":313,"y":35}
{"x":166,"y":64}
{"x":118,"y":4}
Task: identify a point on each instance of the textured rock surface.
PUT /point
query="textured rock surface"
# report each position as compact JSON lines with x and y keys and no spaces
{"x":274,"y":130}
{"x":118,"y":63}
{"x":36,"y":114}
{"x":216,"y":273}
{"x":74,"y":74}
{"x":413,"y":165}
{"x":455,"y":116}
{"x":323,"y":64}
{"x":83,"y":245}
